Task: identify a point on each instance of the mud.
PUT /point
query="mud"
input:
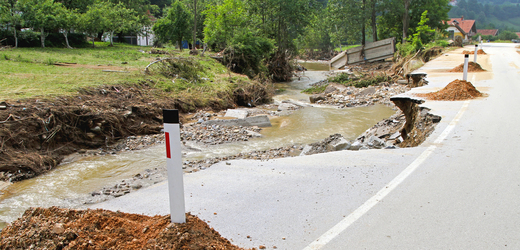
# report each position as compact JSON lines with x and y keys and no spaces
{"x":457,"y":90}
{"x":472,"y":67}
{"x":57,"y":228}
{"x":36,"y":134}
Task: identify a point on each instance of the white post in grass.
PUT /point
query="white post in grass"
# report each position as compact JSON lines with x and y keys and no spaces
{"x":465,"y":75}
{"x":476,"y":49}
{"x":174,"y":165}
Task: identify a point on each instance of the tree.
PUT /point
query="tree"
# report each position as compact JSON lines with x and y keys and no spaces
{"x":392,"y":20}
{"x":118,"y":19}
{"x":175,"y":26}
{"x":346,"y":15}
{"x":11,"y":17}
{"x":507,"y":35}
{"x":223,"y":22}
{"x":423,"y":32}
{"x":406,"y":19}
{"x":93,"y":21}
{"x":67,"y":21}
{"x":81,"y":6}
{"x":41,"y":15}
{"x":281,"y":20}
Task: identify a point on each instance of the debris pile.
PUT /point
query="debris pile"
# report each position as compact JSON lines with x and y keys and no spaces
{"x":455,"y":91}
{"x":479,"y":52}
{"x":342,"y":96}
{"x":472,"y":67}
{"x":58,"y":228}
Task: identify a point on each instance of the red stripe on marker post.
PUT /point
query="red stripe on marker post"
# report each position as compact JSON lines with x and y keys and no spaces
{"x":174,"y":165}
{"x":167,"y":139}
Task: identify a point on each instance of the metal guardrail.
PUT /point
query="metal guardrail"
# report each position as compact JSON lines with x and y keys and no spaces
{"x":371,"y":52}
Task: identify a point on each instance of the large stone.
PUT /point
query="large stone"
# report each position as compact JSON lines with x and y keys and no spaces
{"x":368,"y":91}
{"x":237,"y":113}
{"x":316,"y":97}
{"x":375,"y":142}
{"x":356,"y":145}
{"x":286,"y":106}
{"x":306,"y":150}
{"x":58,"y":228}
{"x":339,"y":144}
{"x":260,"y":121}
{"x":253,"y":134}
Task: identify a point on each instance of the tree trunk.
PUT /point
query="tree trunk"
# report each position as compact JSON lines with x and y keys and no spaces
{"x":194,"y":26}
{"x":179,"y":42}
{"x":15,"y":38}
{"x":406,"y":19}
{"x":374,"y":25}
{"x":363,"y":41}
{"x":42,"y":37}
{"x":111,"y":38}
{"x":66,"y":35}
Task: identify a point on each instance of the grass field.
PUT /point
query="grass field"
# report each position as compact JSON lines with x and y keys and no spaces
{"x":37,"y":72}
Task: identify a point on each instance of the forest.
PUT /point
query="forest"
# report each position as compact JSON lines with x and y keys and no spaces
{"x":318,"y":24}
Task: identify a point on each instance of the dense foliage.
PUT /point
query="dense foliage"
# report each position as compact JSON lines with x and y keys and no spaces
{"x":492,"y":14}
{"x":260,"y":34}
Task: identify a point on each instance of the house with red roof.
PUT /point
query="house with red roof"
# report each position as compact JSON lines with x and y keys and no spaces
{"x":489,"y":32}
{"x":461,"y":27}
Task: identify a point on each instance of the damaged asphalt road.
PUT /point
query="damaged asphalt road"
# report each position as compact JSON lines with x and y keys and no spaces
{"x":461,"y":191}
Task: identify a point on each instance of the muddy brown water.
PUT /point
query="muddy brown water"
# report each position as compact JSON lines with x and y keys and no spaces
{"x":69,"y":184}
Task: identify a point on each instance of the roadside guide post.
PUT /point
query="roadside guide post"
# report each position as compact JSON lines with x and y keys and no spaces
{"x":476,"y":49}
{"x":465,"y":75}
{"x":174,"y":165}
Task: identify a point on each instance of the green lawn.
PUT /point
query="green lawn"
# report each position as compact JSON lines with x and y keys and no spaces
{"x":31,"y":72}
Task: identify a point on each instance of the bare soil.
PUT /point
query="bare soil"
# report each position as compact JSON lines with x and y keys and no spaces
{"x":479,"y":52}
{"x":472,"y":67}
{"x":457,"y":90}
{"x":58,"y":228}
{"x":36,"y":134}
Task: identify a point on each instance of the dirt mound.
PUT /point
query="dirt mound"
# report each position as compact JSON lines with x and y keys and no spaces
{"x":455,"y":91}
{"x":472,"y":67}
{"x":57,"y":228}
{"x":479,"y":52}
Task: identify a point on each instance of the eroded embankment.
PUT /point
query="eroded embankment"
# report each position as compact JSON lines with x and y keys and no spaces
{"x":36,"y":134}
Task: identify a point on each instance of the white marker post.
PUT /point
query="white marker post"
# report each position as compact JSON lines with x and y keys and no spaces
{"x":476,"y":49}
{"x":465,"y":75}
{"x":172,"y":134}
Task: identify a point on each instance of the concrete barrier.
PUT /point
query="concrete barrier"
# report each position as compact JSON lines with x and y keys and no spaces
{"x":260,"y":121}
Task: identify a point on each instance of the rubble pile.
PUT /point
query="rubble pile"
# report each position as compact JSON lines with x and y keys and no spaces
{"x":344,"y":97}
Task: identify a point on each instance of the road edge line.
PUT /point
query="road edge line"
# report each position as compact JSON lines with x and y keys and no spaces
{"x":325,"y":238}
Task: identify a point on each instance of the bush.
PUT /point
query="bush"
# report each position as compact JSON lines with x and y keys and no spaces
{"x":246,"y":53}
{"x":507,"y":35}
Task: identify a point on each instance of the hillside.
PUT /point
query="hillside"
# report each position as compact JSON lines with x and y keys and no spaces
{"x":495,"y":14}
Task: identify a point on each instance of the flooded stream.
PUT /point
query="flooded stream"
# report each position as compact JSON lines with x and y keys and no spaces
{"x":69,"y":184}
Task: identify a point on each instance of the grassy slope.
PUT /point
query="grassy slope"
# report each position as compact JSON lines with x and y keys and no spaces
{"x":30,"y":72}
